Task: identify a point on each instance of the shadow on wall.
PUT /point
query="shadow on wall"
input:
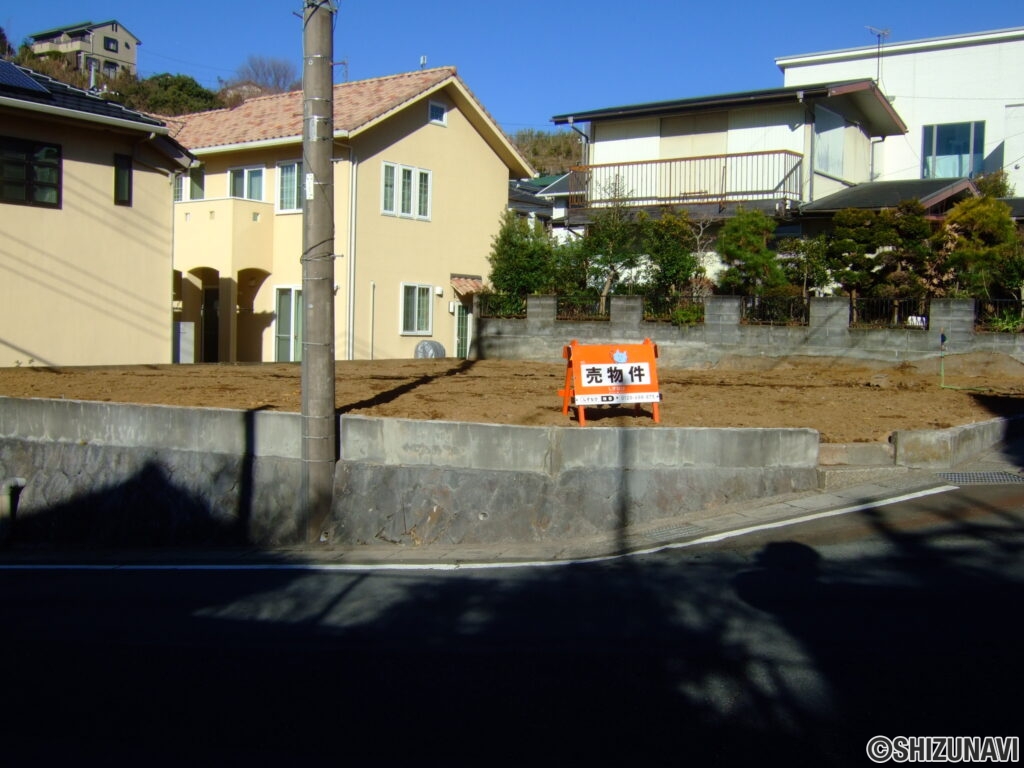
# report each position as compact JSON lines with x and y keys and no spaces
{"x":1009,"y":408}
{"x":146,"y":510}
{"x":155,"y":505}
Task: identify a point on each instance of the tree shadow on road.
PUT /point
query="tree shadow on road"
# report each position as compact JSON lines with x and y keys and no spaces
{"x":779,"y":656}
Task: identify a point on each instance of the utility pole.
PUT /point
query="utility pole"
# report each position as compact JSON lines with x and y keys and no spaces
{"x":319,"y":441}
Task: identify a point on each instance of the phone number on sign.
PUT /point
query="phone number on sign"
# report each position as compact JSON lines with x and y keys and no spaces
{"x":637,"y":397}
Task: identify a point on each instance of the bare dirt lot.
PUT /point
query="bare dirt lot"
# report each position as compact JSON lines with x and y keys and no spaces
{"x":845,"y":401}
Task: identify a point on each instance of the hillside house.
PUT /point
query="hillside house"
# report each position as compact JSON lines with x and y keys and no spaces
{"x":104,"y":48}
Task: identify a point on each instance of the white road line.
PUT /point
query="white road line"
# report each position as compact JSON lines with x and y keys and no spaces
{"x":362,"y":568}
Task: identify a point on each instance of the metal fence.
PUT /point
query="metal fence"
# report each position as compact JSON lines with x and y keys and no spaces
{"x":775,"y":310}
{"x":999,"y":315}
{"x":585,"y":307}
{"x":889,"y":313}
{"x":748,"y":176}
{"x":993,"y":315}
{"x":502,"y":305}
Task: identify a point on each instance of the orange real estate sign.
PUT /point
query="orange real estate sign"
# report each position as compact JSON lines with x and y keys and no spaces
{"x":609,"y":374}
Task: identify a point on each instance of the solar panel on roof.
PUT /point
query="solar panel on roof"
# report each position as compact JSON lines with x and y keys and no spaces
{"x":12,"y":77}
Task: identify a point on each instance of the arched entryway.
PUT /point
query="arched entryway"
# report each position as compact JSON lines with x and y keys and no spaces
{"x":251,"y":325}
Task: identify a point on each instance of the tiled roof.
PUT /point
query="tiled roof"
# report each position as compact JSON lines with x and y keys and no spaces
{"x":279,"y":116}
{"x":465,"y":285}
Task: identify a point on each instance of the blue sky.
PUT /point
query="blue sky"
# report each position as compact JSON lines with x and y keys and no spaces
{"x":525,"y":61}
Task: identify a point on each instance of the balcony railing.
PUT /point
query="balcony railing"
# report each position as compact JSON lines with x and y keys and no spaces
{"x":710,"y":179}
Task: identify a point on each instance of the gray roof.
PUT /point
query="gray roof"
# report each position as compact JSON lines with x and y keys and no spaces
{"x":522,"y":197}
{"x":24,"y":89}
{"x":864,"y":94}
{"x":80,"y":28}
{"x":887,"y":194}
{"x":1016,"y":206}
{"x":55,"y":94}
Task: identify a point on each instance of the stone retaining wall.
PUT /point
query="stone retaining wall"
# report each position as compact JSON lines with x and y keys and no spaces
{"x":124,"y":475}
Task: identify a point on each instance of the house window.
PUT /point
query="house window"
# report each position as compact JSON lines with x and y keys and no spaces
{"x":30,"y":173}
{"x":288,"y":325}
{"x":952,"y":150}
{"x":406,"y":191}
{"x":195,"y":189}
{"x":110,"y":44}
{"x":416,"y":309}
{"x":829,"y":132}
{"x":123,"y":180}
{"x":246,"y":183}
{"x":438,"y":113}
{"x":289,"y":186}
{"x":110,"y":69}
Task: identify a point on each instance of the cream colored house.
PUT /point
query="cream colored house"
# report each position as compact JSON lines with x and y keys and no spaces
{"x":421,"y":177}
{"x":772,"y":149}
{"x":104,"y":48}
{"x":85,"y":227}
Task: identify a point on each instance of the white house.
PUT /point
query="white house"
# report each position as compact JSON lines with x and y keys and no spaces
{"x":961,"y":97}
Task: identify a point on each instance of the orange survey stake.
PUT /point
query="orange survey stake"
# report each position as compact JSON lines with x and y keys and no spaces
{"x":610,"y":374}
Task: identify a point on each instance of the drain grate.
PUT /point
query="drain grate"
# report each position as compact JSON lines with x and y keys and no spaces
{"x":981,"y":478}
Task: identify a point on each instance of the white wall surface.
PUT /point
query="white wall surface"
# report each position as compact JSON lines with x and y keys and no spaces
{"x":966,"y":78}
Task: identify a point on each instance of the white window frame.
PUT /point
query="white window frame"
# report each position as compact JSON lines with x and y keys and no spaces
{"x":411,"y":192}
{"x":296,"y":317}
{"x":184,"y":185}
{"x":299,"y":187}
{"x":247,"y":173}
{"x":422,"y":293}
{"x":431,"y":106}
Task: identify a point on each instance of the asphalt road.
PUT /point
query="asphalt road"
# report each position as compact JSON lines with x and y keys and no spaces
{"x":791,"y":647}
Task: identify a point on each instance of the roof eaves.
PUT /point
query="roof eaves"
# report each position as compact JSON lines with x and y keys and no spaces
{"x":958,"y":186}
{"x":949,"y":41}
{"x":742,"y":98}
{"x":281,"y":141}
{"x":399,"y":106}
{"x":61,"y":30}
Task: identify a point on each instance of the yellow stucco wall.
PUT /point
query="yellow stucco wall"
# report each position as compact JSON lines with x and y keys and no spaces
{"x":469,"y":192}
{"x":89,"y":283}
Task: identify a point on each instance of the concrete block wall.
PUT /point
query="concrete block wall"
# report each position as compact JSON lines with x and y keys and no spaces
{"x":540,"y":337}
{"x":417,"y":483}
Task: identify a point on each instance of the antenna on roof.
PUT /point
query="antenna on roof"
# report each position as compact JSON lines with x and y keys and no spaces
{"x":881,"y":34}
{"x":423,"y":61}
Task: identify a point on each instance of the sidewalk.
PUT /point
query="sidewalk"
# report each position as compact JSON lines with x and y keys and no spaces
{"x":1002,"y":464}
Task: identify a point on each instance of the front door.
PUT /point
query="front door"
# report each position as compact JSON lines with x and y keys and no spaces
{"x":211,"y":324}
{"x":463,"y":330}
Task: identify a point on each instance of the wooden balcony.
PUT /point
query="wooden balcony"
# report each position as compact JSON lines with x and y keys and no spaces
{"x":757,"y":179}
